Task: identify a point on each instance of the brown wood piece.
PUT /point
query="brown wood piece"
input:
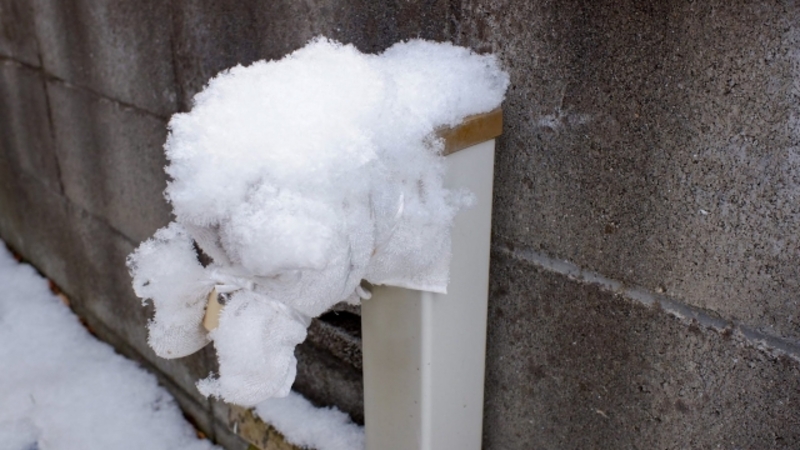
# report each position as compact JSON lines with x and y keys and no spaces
{"x":473,"y":130}
{"x":259,"y":434}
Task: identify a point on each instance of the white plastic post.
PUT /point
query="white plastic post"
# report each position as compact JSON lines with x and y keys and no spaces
{"x":424,"y":353}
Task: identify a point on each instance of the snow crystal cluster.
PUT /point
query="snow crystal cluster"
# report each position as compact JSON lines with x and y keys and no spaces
{"x":300,"y":178}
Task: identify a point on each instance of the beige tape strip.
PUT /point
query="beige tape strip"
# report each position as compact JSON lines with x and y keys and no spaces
{"x":213,"y":308}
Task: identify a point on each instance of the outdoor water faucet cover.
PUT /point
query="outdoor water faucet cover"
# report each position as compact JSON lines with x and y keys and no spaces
{"x":300,"y":178}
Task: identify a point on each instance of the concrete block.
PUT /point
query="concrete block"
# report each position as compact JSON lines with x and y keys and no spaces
{"x":339,"y":332}
{"x":327,"y":380}
{"x":572,"y":366}
{"x":112,"y":161}
{"x":120,"y":49}
{"x":27,"y":137}
{"x":101,"y":288}
{"x":213,"y":36}
{"x":657,"y":145}
{"x":33,"y":222}
{"x":17,"y":32}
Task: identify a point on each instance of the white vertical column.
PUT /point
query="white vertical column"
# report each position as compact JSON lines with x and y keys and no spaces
{"x":424,"y":353}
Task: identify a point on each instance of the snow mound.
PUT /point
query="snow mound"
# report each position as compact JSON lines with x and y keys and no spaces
{"x":62,"y":389}
{"x":300,"y":178}
{"x":307,"y":426}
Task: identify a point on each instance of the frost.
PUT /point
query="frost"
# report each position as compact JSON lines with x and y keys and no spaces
{"x":300,"y":178}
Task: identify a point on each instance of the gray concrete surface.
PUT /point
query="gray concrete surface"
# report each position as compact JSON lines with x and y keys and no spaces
{"x":112,"y":160}
{"x":121,"y":49}
{"x":651,"y":153}
{"x":26,"y":123}
{"x":213,"y":36}
{"x":656,"y":144}
{"x":326,"y":379}
{"x":576,"y":367}
{"x":17,"y":34}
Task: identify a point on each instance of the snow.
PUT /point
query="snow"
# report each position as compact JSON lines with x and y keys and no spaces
{"x":300,"y":178}
{"x":62,"y":389}
{"x":305,"y":425}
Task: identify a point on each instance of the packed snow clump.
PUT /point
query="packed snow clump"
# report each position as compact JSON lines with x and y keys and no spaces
{"x":300,"y":178}
{"x":61,"y":389}
{"x":307,"y":426}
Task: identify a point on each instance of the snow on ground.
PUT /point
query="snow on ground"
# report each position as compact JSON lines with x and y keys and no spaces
{"x":305,"y":425}
{"x":60,"y":388}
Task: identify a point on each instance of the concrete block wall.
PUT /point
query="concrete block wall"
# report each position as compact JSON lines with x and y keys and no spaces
{"x":644,"y":281}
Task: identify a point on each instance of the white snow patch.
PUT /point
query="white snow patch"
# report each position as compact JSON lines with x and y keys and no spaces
{"x":301,"y":178}
{"x":62,"y":389}
{"x":305,"y":425}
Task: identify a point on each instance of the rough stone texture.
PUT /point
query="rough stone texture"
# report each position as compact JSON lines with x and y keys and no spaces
{"x":327,"y":380}
{"x":340,"y":333}
{"x":112,"y":160}
{"x":26,"y":136}
{"x":213,"y":36}
{"x":17,"y":36}
{"x":119,"y":48}
{"x":655,"y":143}
{"x":34,"y":221}
{"x":571,"y":366}
{"x":329,"y":364}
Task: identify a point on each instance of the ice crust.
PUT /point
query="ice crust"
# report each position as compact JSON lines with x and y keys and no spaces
{"x":61,"y":389}
{"x":300,"y":178}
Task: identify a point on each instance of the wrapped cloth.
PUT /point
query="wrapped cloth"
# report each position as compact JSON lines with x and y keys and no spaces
{"x":300,"y":178}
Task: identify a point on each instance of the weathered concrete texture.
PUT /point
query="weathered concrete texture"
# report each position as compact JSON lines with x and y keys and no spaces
{"x":329,"y":368}
{"x":112,"y":160}
{"x":17,"y":35}
{"x":340,"y":333}
{"x":326,"y":380}
{"x":119,"y":48}
{"x":571,"y":366}
{"x":26,"y":137}
{"x":32,"y":221}
{"x":656,"y":143}
{"x":86,"y":258}
{"x":213,"y":36}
